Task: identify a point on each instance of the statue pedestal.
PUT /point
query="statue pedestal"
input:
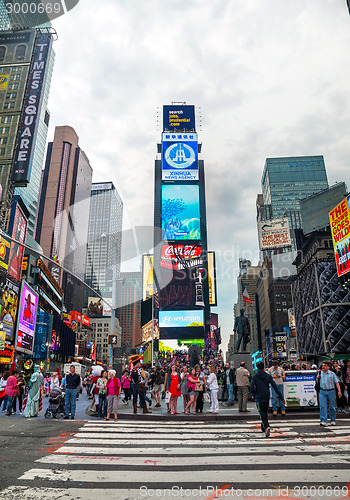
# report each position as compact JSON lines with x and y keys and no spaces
{"x":237,"y":357}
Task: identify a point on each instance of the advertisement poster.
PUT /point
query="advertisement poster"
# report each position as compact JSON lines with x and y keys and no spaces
{"x":9,"y":293}
{"x":26,"y":319}
{"x":180,"y":212}
{"x":147,"y":276}
{"x":4,"y":79}
{"x":279,"y":343}
{"x":339,"y":219}
{"x":274,"y":233}
{"x":212,"y":279}
{"x":5,"y":246}
{"x":42,"y":332}
{"x":299,"y":389}
{"x":173,"y":319}
{"x":19,"y":231}
{"x":179,"y":118}
{"x":95,"y":307}
{"x":181,"y":256}
{"x":179,"y":157}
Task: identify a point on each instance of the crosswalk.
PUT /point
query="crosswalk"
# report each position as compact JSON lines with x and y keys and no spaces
{"x":135,"y":460}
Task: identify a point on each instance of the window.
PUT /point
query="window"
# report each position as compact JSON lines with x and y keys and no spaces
{"x":20,"y":52}
{"x":3,"y":140}
{"x":2,"y":53}
{"x":2,"y":151}
{"x":12,"y":105}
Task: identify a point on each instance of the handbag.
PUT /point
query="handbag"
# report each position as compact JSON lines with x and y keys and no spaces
{"x":206,"y":397}
{"x":142,"y":387}
{"x":198,"y":386}
{"x":318,"y":385}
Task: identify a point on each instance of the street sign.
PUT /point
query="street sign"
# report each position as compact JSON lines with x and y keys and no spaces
{"x":88,"y":345}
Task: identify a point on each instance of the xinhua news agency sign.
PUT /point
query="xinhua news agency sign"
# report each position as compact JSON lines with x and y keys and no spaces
{"x":28,"y":124}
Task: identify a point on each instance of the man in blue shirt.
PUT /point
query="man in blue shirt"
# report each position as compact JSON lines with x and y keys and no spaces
{"x":72,"y":384}
{"x":328,"y":383}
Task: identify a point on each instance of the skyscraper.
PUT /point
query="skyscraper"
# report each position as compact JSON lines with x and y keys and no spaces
{"x":61,"y":226}
{"x":26,"y":64}
{"x":104,"y":238}
{"x":23,"y":15}
{"x":285,"y":181}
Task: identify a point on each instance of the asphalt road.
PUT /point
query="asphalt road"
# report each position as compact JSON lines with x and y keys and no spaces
{"x":89,"y":460}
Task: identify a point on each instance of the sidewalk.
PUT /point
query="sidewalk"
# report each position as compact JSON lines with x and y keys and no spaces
{"x":226,"y":413}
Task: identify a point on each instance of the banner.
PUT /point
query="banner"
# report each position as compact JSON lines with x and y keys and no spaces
{"x":299,"y":389}
{"x":339,"y":219}
{"x":212,"y":279}
{"x":274,"y":233}
{"x":5,"y":246}
{"x":28,"y":124}
{"x":147,"y":276}
{"x":4,"y":79}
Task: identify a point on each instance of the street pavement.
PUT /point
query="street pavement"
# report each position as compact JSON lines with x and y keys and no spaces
{"x":130,"y":459}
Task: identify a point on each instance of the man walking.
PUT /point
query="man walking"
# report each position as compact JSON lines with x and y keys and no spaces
{"x":229,"y":380}
{"x":242,"y":378}
{"x":328,"y":383}
{"x":278,"y":375}
{"x":72,"y":384}
{"x":260,"y":389}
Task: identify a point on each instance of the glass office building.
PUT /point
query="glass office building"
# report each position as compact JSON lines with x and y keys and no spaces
{"x":285,"y":181}
{"x":104,"y":238}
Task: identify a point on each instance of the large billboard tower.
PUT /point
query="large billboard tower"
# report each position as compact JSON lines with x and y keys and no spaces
{"x":181,"y":298}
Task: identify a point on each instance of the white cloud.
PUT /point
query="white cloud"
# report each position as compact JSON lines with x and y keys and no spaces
{"x":271,"y":78}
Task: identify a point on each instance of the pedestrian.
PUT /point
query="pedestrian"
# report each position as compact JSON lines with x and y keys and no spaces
{"x":167,"y":382}
{"x":184,"y":385}
{"x":174,"y":390}
{"x":138,"y":385}
{"x":71,"y":386}
{"x":192,"y":380}
{"x":346,"y":378}
{"x":242,"y":377}
{"x":20,"y":392}
{"x":102,"y":395}
{"x":33,"y":399}
{"x":229,"y":381}
{"x":11,"y":392}
{"x":341,"y":402}
{"x":278,"y":375}
{"x":329,"y":382}
{"x":55,"y":383}
{"x":260,"y":389}
{"x":158,"y":385}
{"x":113,"y":388}
{"x":47,"y":382}
{"x":212,"y":383}
{"x":3,"y":397}
{"x":200,"y":389}
{"x":126,"y":386}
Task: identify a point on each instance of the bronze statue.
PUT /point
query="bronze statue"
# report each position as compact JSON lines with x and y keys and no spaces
{"x":242,"y":328}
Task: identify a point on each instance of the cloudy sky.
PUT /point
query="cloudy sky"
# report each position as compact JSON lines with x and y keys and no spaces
{"x":269,"y":78}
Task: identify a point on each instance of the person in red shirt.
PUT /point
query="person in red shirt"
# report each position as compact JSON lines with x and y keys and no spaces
{"x":11,"y":392}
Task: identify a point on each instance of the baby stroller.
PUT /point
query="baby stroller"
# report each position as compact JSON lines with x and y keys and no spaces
{"x":56,"y":404}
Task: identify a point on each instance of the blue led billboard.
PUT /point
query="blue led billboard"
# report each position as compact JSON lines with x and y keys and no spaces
{"x":180,"y":212}
{"x":179,"y":157}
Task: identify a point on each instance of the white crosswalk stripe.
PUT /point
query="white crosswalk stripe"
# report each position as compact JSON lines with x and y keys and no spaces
{"x":121,"y":460}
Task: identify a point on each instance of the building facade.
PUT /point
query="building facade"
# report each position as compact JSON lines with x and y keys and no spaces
{"x":104,"y":239}
{"x":322,"y":304}
{"x":129,"y":312}
{"x":61,"y":227}
{"x":248,"y":275}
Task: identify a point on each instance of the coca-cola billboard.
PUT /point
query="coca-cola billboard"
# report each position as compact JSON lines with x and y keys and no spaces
{"x":179,"y":257}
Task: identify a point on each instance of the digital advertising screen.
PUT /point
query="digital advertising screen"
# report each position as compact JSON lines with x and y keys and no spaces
{"x":179,"y":157}
{"x":19,"y":232}
{"x":179,"y":118}
{"x":180,"y":319}
{"x":26,"y":319}
{"x":180,"y":212}
{"x":339,"y":219}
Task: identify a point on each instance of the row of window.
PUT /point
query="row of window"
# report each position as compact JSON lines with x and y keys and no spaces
{"x":9,"y":105}
{"x":19,"y":53}
{"x":6,"y":119}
